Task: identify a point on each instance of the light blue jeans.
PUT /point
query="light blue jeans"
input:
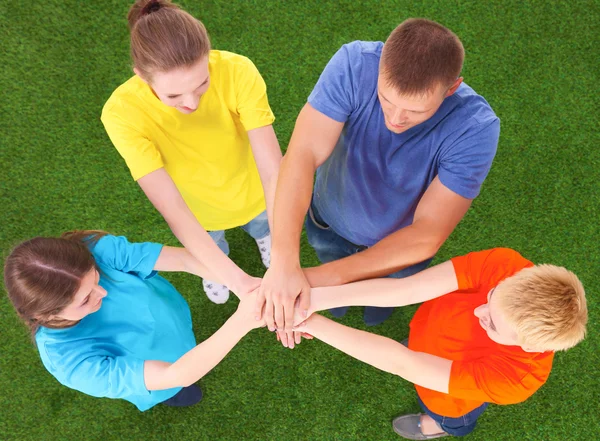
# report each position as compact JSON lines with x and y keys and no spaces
{"x":257,"y":228}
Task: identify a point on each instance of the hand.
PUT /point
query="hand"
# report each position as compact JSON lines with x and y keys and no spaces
{"x":246,"y":311}
{"x":280,"y":287}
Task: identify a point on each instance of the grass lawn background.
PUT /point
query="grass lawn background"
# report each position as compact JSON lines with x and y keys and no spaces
{"x":535,"y":62}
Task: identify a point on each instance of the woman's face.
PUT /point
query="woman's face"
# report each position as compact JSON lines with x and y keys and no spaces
{"x":182,"y":88}
{"x":87,"y":300}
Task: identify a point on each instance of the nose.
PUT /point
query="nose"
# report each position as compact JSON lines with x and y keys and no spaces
{"x":102,"y":292}
{"x":399,"y":116}
{"x":191,"y":101}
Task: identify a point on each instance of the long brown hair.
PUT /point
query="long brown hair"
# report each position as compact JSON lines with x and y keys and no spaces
{"x":43,"y":274}
{"x":164,"y":37}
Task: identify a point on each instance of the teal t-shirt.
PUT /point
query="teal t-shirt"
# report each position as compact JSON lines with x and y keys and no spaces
{"x":143,"y":317}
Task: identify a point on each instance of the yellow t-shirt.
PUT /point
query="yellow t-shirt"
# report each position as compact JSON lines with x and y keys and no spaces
{"x":207,"y":153}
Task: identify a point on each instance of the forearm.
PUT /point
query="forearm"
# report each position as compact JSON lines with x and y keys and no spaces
{"x":292,"y":199}
{"x":201,"y":246}
{"x":180,"y":259}
{"x":375,"y":292}
{"x":378,"y":351}
{"x":406,"y":247}
{"x":199,"y":361}
{"x":270,"y":187}
{"x":384,"y":353}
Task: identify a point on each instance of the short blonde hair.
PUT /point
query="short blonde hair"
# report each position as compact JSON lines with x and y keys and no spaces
{"x":546,"y":306}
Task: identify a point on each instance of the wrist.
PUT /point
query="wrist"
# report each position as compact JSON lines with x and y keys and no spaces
{"x":241,"y":323}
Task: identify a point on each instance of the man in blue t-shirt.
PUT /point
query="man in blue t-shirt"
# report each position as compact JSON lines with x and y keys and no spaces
{"x":401,"y":147}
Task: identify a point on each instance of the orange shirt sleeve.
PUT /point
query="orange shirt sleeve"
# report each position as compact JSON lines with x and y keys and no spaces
{"x":496,"y":379}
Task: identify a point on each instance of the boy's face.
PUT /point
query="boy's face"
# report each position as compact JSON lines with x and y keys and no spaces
{"x":492,"y":320}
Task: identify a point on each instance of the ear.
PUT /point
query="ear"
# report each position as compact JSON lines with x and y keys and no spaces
{"x":139,"y":74}
{"x":454,"y":86}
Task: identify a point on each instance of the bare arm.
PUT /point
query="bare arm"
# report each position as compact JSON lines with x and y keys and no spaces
{"x":203,"y":358}
{"x":383,"y":353}
{"x":164,"y":195}
{"x":180,"y":259}
{"x":426,"y":285}
{"x":267,"y":155}
{"x":314,"y":138}
{"x":436,"y":216}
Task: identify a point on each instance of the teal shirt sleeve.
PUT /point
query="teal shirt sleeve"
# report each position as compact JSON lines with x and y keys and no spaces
{"x":118,"y":253}
{"x":95,"y":373}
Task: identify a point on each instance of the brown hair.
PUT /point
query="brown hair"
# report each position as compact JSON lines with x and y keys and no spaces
{"x":164,"y":37}
{"x":420,"y":54}
{"x":546,"y":306}
{"x":43,"y":274}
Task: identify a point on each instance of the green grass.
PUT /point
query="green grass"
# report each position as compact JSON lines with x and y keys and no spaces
{"x":535,"y":62}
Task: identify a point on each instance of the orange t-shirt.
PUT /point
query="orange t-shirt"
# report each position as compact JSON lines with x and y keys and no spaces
{"x":482,"y":370}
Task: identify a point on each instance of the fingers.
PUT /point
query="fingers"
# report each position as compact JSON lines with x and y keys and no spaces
{"x":289,"y":321}
{"x":304,"y":303}
{"x":259,"y":305}
{"x":297,"y":337}
{"x":280,"y":324}
{"x":269,"y":314}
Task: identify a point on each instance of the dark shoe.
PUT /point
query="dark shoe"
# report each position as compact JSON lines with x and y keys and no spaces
{"x":188,"y":396}
{"x":405,"y":342}
{"x":339,"y":312}
{"x":375,"y":315}
{"x":409,"y":427}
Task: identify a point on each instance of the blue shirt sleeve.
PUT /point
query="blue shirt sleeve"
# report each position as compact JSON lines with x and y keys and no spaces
{"x":335,"y":94}
{"x":467,"y":162}
{"x":95,"y":373}
{"x":117,"y":253}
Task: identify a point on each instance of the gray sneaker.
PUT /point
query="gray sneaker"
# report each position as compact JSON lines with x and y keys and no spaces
{"x":409,"y":427}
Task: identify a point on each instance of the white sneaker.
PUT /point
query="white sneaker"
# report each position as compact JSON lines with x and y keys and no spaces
{"x":264,"y":246}
{"x":215,"y":292}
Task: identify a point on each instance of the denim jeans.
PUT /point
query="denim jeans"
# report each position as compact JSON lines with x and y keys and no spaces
{"x":257,"y":228}
{"x":459,"y":426}
{"x":330,"y":246}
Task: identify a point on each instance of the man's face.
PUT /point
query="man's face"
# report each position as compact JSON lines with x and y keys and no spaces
{"x":181,"y":88}
{"x":402,"y":112}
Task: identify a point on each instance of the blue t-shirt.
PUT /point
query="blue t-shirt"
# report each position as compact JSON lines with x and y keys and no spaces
{"x":371,"y":184}
{"x":143,"y":317}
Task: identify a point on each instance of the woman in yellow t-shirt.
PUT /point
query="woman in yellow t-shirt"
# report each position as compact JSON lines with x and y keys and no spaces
{"x":195,"y":129}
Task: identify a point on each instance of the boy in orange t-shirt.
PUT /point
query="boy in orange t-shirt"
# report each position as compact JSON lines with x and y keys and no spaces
{"x":486,"y":333}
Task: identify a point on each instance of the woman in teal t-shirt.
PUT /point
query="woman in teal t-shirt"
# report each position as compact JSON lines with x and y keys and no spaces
{"x":107,"y":325}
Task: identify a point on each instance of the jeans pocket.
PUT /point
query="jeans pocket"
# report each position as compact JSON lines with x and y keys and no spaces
{"x":321,"y":226}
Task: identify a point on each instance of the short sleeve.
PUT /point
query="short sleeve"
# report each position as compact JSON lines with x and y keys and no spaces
{"x":465,"y":165}
{"x":140,"y":154}
{"x":251,"y":96}
{"x":117,"y":253}
{"x":99,"y":375}
{"x":495,"y":379}
{"x":335,"y":93}
{"x":487,"y":268}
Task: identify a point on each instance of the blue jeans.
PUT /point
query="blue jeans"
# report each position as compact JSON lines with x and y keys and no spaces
{"x":330,"y":246}
{"x":257,"y":228}
{"x":459,"y":426}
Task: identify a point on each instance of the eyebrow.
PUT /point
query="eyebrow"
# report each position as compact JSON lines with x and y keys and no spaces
{"x":175,"y":95}
{"x":414,"y":111}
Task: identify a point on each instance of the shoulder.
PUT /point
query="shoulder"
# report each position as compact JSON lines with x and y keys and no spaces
{"x":222,"y":62}
{"x":126,"y":98}
{"x":488,"y":267}
{"x":470,"y":106}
